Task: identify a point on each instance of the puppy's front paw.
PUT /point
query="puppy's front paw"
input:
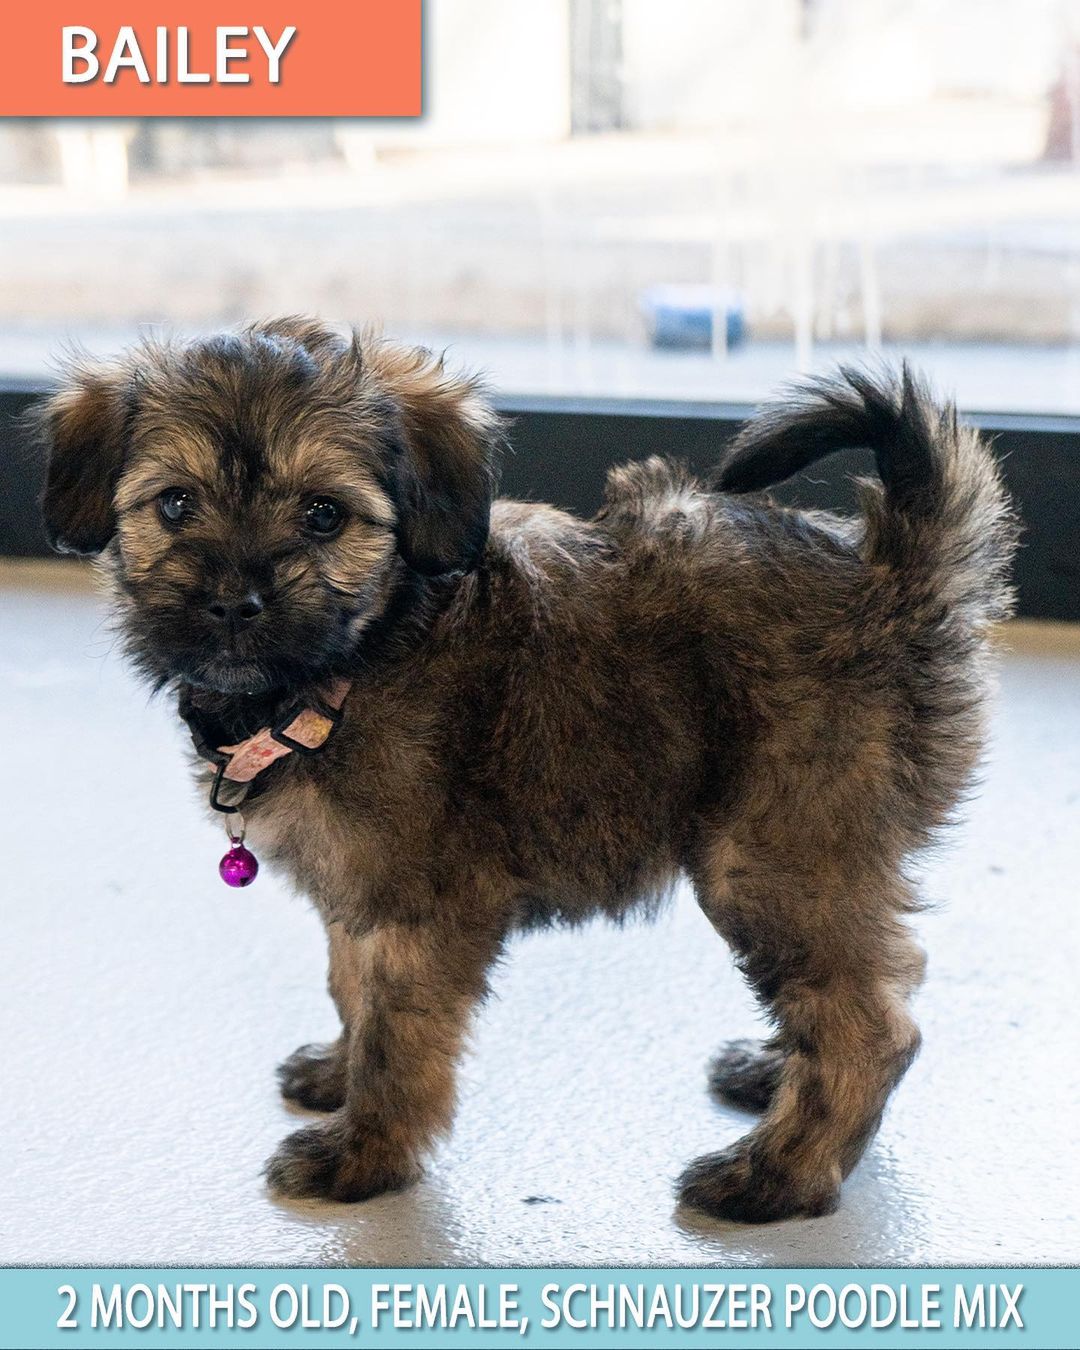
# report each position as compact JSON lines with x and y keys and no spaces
{"x":314,"y":1076}
{"x":746,"y":1074}
{"x":744,"y":1185}
{"x":329,"y":1161}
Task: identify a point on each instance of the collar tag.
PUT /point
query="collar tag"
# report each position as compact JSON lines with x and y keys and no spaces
{"x":304,"y":729}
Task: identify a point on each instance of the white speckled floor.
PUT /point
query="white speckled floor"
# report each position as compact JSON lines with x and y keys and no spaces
{"x":144,"y":1008}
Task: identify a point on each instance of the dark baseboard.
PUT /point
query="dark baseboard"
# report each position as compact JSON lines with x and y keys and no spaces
{"x":561,"y":450}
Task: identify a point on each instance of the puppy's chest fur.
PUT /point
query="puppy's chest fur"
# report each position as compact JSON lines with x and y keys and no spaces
{"x":305,"y":830}
{"x":344,"y":824}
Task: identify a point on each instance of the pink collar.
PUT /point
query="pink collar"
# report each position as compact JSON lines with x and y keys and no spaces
{"x":304,"y":729}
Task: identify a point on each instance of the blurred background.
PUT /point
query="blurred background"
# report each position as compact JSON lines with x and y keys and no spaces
{"x":609,"y":197}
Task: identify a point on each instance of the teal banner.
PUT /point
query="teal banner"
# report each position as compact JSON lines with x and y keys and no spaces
{"x":608,"y":1308}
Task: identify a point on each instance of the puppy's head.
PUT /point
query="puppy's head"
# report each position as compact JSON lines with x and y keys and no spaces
{"x":257,"y":496}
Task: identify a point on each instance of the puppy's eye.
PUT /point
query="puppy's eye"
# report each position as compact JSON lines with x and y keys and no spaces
{"x":324,"y":516}
{"x":175,"y":505}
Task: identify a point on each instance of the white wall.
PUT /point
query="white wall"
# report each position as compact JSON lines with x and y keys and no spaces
{"x":497,"y":72}
{"x":703,"y":63}
{"x":695,"y":63}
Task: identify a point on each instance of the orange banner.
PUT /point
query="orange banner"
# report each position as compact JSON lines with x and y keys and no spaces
{"x":211,"y":58}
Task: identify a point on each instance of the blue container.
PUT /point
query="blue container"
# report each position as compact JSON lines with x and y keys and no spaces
{"x":680,"y":317}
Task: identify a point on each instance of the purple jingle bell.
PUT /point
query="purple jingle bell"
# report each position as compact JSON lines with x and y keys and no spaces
{"x":239,"y":867}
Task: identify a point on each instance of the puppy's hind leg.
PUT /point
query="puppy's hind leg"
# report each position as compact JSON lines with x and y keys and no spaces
{"x":825,"y":950}
{"x":314,"y":1076}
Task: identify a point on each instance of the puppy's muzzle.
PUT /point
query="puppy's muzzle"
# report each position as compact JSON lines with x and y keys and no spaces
{"x":236,"y":613}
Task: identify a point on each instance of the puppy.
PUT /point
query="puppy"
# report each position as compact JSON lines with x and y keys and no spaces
{"x":544,"y":718}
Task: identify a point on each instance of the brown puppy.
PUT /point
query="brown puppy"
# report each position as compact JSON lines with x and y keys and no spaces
{"x":552,"y":717}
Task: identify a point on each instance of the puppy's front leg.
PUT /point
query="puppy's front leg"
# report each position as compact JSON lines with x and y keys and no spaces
{"x":411,"y":991}
{"x":316,"y":1076}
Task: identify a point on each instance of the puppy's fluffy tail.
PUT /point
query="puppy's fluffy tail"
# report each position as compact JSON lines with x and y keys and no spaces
{"x":940,"y":521}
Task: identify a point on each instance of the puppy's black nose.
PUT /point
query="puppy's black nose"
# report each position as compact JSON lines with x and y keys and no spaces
{"x":237,"y":614}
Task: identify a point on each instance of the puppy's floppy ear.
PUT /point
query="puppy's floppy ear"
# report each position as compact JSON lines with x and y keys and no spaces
{"x":442,"y":473}
{"x":84,"y":429}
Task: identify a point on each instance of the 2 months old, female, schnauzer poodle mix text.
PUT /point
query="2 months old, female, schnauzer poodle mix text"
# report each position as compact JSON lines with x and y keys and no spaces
{"x":543,"y":718}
